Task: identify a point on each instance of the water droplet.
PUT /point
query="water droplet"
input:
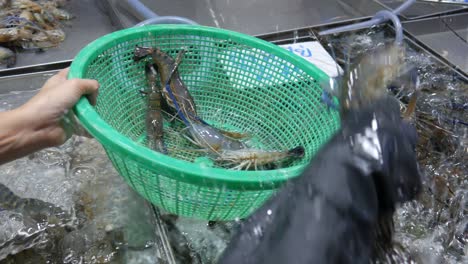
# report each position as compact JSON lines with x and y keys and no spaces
{"x":257,"y":231}
{"x":108,"y":228}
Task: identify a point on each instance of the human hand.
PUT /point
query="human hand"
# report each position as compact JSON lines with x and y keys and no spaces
{"x":47,"y":109}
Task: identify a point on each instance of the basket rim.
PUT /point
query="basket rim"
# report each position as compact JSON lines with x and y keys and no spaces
{"x":183,"y":170}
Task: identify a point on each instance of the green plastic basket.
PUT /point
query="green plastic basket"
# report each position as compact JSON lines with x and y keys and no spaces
{"x":238,"y":82}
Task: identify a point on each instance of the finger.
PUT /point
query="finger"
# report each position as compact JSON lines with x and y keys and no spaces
{"x":63,"y":73}
{"x":92,"y":98}
{"x":87,"y":87}
{"x":58,"y":78}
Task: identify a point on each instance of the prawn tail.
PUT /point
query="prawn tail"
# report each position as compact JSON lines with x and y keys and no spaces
{"x":297,"y":152}
{"x":158,"y":146}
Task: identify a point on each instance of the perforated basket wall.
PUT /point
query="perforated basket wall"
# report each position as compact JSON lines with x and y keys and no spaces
{"x":237,"y":81}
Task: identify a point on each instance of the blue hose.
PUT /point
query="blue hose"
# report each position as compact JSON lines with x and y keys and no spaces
{"x":149,"y":17}
{"x":387,"y":15}
{"x":362,"y":25}
{"x":166,"y":20}
{"x":138,"y":9}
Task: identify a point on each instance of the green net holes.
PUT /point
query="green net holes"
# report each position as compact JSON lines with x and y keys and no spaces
{"x":238,"y":82}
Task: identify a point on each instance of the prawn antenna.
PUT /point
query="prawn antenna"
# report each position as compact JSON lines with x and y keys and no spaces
{"x":178,"y":110}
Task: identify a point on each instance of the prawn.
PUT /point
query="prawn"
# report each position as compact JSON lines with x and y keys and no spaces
{"x":154,"y":118}
{"x":57,"y":13}
{"x":26,"y":4}
{"x":182,"y":101}
{"x":255,"y":158}
{"x":178,"y":97}
{"x":7,"y":57}
{"x":211,"y":139}
{"x":8,"y":34}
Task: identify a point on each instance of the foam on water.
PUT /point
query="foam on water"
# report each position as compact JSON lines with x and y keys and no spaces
{"x":112,"y":223}
{"x":433,"y":229}
{"x":110,"y":220}
{"x":200,"y":241}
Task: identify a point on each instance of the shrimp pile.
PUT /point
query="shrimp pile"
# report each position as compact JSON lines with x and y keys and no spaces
{"x":223,"y":147}
{"x":27,"y":24}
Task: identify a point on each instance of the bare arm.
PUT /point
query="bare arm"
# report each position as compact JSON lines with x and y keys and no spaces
{"x":36,"y":124}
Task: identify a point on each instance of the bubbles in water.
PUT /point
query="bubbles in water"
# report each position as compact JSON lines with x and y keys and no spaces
{"x":16,"y":217}
{"x":107,"y":214}
{"x":83,"y":172}
{"x":435,"y":219}
{"x":71,"y":258}
{"x":50,"y":157}
{"x":204,"y":241}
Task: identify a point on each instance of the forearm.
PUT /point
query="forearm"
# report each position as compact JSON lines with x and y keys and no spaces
{"x":20,"y":135}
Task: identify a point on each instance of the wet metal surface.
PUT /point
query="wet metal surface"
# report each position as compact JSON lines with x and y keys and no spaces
{"x":95,"y":18}
{"x":263,"y":16}
{"x":89,"y":24}
{"x":118,"y":16}
{"x":24,"y":82}
{"x":422,"y":9}
{"x":303,"y":33}
{"x":446,"y":35}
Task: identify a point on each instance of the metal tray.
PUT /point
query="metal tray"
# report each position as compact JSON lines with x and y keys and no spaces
{"x":264,"y":16}
{"x":303,"y":33}
{"x":444,"y":35}
{"x":422,"y":9}
{"x":458,"y":51}
{"x":24,"y":82}
{"x":89,"y":24}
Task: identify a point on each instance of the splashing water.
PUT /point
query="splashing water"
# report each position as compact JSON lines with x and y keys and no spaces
{"x":110,"y":222}
{"x":432,"y":229}
{"x":197,"y":241}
